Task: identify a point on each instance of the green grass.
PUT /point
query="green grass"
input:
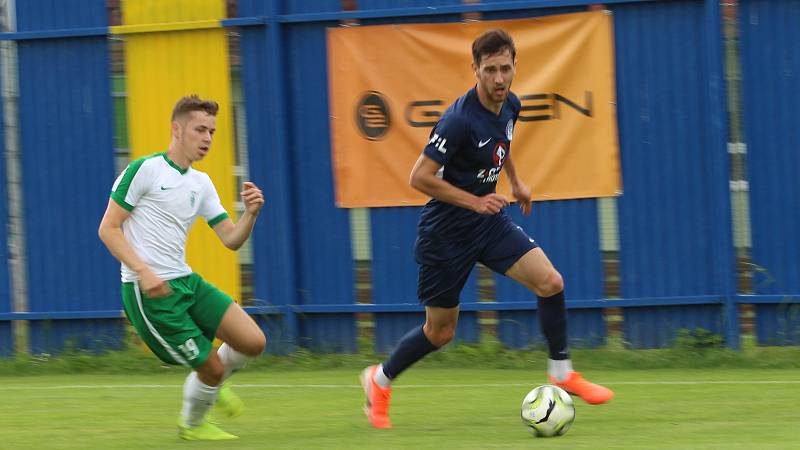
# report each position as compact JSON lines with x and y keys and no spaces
{"x":692,"y":350}
{"x":475,"y":409}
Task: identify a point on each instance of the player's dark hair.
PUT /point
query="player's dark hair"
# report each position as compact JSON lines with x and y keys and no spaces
{"x":492,"y":42}
{"x":191,"y":103}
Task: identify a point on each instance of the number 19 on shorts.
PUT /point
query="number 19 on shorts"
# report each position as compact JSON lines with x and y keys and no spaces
{"x":189,"y":349}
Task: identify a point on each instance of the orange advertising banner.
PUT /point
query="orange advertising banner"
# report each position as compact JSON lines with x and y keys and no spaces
{"x":389,"y":85}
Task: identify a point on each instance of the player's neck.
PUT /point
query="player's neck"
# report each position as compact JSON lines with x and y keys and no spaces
{"x":178,"y":157}
{"x":487,"y":103}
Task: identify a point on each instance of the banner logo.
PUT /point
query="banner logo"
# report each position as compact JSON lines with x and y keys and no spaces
{"x":372,"y":116}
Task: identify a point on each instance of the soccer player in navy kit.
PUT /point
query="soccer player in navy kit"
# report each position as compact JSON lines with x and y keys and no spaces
{"x":464,"y":223}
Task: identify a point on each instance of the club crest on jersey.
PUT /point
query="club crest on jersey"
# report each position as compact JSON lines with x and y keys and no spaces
{"x":499,"y":154}
{"x":510,"y":129}
{"x":498,"y":157}
{"x":192,"y":198}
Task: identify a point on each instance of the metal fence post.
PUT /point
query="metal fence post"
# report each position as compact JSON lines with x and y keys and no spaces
{"x":719,"y":169}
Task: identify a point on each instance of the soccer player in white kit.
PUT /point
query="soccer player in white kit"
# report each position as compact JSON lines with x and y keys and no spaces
{"x":153,"y":204}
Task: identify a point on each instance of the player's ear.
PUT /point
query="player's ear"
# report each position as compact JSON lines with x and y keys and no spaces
{"x":176,"y":129}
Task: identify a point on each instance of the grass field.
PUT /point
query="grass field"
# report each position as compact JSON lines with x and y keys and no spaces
{"x":433,"y":408}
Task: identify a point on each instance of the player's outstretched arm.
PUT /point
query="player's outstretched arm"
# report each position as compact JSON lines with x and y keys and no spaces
{"x":110,"y":232}
{"x":234,"y":235}
{"x":424,"y":179}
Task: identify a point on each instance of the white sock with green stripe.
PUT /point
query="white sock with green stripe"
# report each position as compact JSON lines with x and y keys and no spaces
{"x":232,"y":360}
{"x":198,"y":398}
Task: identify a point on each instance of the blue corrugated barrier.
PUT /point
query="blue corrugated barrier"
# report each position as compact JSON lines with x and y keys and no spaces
{"x":676,"y":259}
{"x":770,"y":73}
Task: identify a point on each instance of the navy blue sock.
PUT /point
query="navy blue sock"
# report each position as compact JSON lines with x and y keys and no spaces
{"x":553,"y":321}
{"x":411,"y":348}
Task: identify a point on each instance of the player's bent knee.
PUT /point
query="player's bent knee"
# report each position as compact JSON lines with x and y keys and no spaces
{"x":255,"y":345}
{"x":260,"y":345}
{"x":442,"y":336}
{"x":211,"y":372}
{"x":552,"y":285}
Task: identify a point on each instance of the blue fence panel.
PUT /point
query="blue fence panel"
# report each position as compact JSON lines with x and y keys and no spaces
{"x":394,"y":4}
{"x":96,"y":335}
{"x":390,"y":327}
{"x":771,"y":73}
{"x":250,"y":8}
{"x":311,"y":6}
{"x":35,"y":15}
{"x":657,"y":327}
{"x":468,"y":329}
{"x":329,"y":6}
{"x":67,"y":171}
{"x":394,"y":271}
{"x":674,"y":217}
{"x":328,"y":333}
{"x":532,"y":12}
{"x":568,"y":233}
{"x":666,"y":213}
{"x":273,"y":238}
{"x":313,"y":10}
{"x":6,"y":328}
{"x":326,"y":269}
{"x":778,"y":324}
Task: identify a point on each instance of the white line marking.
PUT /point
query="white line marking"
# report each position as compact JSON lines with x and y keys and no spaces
{"x":356,"y":386}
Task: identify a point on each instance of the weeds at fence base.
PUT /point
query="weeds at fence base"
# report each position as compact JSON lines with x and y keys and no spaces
{"x":691,"y":349}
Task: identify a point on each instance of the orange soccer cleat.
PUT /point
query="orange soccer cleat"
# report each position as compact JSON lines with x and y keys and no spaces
{"x":377,"y":405}
{"x":590,"y":393}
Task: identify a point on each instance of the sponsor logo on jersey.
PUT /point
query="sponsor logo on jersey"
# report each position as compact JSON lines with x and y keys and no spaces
{"x":372,"y":115}
{"x":489,"y":175}
{"x":438,"y":142}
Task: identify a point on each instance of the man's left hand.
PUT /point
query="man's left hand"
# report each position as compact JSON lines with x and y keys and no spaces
{"x":523,"y":195}
{"x":252,"y":197}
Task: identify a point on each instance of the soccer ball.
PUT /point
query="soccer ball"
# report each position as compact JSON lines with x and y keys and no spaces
{"x":548,"y":411}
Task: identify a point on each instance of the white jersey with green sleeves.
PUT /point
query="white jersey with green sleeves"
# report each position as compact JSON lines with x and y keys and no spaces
{"x":164,"y":201}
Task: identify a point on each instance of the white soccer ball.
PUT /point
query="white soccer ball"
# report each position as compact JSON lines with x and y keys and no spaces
{"x":548,"y":411}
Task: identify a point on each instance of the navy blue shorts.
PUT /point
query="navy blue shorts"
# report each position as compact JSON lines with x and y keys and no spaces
{"x":445,"y":265}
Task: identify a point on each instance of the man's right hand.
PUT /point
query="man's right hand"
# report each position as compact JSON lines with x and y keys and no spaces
{"x":490,"y":204}
{"x":152,"y":285}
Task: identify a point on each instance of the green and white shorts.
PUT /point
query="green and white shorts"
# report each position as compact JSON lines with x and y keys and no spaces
{"x":179,"y":328}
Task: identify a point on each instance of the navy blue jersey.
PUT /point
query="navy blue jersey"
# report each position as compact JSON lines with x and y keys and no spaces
{"x":471,"y":143}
